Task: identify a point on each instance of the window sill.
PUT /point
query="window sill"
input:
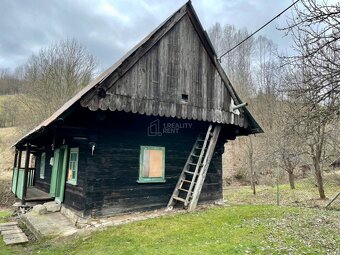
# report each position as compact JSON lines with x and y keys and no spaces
{"x":73,"y":183}
{"x":151,"y":181}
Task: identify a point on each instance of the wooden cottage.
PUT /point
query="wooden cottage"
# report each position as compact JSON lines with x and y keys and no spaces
{"x":149,"y":132}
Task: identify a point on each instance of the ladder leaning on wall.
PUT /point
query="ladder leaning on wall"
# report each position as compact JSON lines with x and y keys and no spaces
{"x":190,"y":183}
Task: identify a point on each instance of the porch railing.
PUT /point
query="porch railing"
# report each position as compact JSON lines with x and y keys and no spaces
{"x":18,"y":180}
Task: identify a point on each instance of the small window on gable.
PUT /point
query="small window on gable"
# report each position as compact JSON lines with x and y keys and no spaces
{"x":152,"y":164}
{"x":185,"y":98}
{"x":73,"y":166}
{"x":42,"y":165}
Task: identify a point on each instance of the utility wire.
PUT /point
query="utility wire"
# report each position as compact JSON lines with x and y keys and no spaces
{"x":290,"y":6}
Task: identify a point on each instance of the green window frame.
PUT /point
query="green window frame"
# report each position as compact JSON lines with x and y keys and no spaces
{"x":42,"y":165}
{"x":147,"y":167}
{"x":73,"y":160}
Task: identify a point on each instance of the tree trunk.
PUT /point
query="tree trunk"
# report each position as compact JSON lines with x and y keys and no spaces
{"x":251,"y":165}
{"x":253,"y":187}
{"x":291,"y":177}
{"x":318,"y":176}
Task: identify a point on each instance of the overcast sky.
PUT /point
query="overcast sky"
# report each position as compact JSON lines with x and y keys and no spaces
{"x":109,"y":28}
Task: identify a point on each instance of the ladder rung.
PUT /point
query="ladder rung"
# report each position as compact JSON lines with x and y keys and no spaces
{"x":200,"y":140}
{"x":200,"y":148}
{"x":179,"y":199}
{"x":194,"y":155}
{"x":187,"y":181}
{"x":185,"y":190}
{"x":193,"y":164}
{"x":189,"y":172}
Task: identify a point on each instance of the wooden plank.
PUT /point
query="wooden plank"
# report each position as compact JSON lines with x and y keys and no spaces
{"x":8,"y":224}
{"x":5,"y":228}
{"x":12,"y":231}
{"x":15,"y":238}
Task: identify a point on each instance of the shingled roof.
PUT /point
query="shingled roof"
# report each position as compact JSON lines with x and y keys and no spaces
{"x":97,"y":94}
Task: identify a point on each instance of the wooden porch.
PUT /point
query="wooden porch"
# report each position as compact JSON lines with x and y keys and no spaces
{"x":23,"y":177}
{"x":34,"y":194}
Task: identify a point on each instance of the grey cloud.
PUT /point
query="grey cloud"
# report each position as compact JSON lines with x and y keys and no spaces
{"x":26,"y":26}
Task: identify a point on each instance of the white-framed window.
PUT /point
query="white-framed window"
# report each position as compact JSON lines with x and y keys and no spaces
{"x":73,"y":166}
{"x":151,"y":164}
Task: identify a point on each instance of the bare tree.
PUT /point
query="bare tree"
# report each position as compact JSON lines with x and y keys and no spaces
{"x":310,"y":121}
{"x":315,"y":29}
{"x":237,"y":63}
{"x":10,"y":82}
{"x":52,"y":77}
{"x":315,"y":82}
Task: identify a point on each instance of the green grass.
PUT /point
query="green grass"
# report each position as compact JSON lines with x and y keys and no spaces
{"x":224,"y":230}
{"x":4,"y":215}
{"x":304,"y":194}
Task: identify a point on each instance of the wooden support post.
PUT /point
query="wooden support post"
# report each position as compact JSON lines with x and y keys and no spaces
{"x":14,"y":165}
{"x":15,"y":158}
{"x":18,"y":167}
{"x":27,"y":162}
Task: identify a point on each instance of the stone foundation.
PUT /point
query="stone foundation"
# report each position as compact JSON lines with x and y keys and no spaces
{"x":75,"y":217}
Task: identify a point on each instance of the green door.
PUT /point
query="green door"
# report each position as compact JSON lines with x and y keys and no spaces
{"x":58,"y":177}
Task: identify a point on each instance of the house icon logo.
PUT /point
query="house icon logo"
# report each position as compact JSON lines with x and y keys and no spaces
{"x":154,"y":128}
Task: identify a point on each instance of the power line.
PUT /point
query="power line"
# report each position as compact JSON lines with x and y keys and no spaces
{"x":290,"y":6}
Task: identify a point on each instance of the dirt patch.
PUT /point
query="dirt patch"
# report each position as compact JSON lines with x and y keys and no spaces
{"x":7,"y":198}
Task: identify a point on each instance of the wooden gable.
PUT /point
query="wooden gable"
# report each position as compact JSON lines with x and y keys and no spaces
{"x":176,"y":77}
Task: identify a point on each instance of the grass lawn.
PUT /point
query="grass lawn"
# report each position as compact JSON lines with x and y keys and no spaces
{"x":223,"y":230}
{"x":304,"y":194}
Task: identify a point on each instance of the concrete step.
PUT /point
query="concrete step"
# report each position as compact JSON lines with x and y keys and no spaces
{"x":48,"y":225}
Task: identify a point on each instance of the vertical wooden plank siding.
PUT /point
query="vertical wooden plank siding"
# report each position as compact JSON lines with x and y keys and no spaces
{"x":177,"y":64}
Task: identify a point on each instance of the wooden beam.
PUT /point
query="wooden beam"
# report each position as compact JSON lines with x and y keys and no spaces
{"x":14,"y":165}
{"x":15,"y":158}
{"x":27,"y":161}
{"x":19,"y":165}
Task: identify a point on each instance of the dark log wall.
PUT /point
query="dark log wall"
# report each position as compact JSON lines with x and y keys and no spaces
{"x":43,"y":184}
{"x":112,"y":171}
{"x":107,"y":180}
{"x":74,"y":194}
{"x":177,"y":64}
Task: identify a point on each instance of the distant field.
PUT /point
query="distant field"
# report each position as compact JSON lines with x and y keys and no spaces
{"x":5,"y":97}
{"x":7,"y":138}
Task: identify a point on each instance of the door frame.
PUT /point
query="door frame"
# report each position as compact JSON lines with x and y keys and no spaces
{"x":58,"y":177}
